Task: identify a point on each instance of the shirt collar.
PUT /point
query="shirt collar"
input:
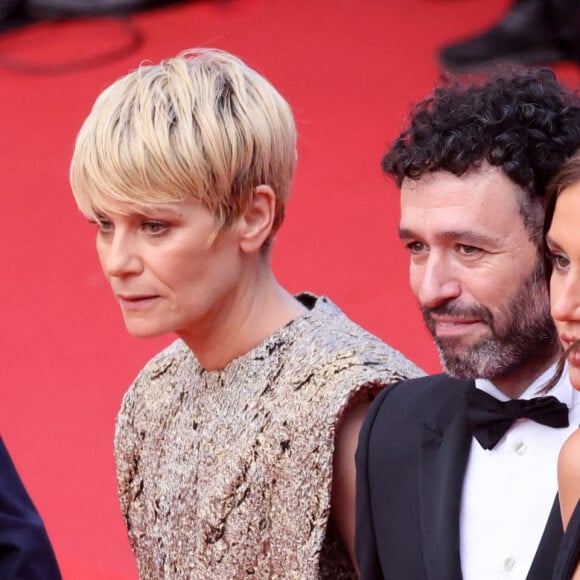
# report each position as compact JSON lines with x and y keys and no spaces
{"x":563,"y":390}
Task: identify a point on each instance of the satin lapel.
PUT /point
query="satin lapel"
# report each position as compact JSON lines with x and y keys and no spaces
{"x":443,"y":457}
{"x":545,"y":558}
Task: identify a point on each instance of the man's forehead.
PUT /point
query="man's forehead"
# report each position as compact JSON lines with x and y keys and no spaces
{"x":482,"y":208}
{"x":481,"y":173}
{"x":478,"y":189}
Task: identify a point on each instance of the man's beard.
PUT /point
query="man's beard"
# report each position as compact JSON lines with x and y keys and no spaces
{"x":520,"y":331}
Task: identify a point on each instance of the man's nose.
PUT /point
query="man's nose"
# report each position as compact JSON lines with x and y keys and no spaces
{"x":435,"y":281}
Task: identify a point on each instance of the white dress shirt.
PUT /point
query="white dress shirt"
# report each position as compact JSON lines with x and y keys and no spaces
{"x":508,"y":491}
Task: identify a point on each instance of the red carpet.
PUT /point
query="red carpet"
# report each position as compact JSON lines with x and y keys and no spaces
{"x":350,"y":69}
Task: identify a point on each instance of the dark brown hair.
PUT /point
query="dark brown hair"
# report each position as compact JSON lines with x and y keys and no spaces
{"x":568,"y":175}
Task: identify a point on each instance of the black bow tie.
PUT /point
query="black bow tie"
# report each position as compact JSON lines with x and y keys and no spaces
{"x":490,"y":419}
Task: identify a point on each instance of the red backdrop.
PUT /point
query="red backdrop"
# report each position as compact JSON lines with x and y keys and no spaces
{"x":350,"y":69}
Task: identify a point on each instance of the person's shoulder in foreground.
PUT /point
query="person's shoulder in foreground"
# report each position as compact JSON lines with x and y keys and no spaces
{"x":25,"y":550}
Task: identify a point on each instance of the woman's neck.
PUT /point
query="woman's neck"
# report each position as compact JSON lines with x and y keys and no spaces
{"x":253,"y":314}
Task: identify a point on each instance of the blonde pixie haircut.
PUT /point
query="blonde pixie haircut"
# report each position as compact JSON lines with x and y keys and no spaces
{"x":201,"y":125}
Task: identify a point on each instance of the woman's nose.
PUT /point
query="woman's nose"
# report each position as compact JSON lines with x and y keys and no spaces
{"x":119,"y":255}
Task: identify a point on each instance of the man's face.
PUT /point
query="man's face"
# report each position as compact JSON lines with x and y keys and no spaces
{"x":475,"y":272}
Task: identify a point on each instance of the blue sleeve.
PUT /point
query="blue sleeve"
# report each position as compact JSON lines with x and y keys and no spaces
{"x":25,"y":550}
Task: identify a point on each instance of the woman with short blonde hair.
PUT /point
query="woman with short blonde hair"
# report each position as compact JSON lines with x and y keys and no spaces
{"x":235,"y":445}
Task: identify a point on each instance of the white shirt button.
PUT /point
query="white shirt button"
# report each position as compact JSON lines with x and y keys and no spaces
{"x":509,"y":564}
{"x":521,"y":448}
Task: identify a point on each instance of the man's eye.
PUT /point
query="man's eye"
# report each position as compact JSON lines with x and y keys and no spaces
{"x":467,"y":250}
{"x":416,"y":247}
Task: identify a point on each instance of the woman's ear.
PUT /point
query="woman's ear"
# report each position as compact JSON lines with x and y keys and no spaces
{"x":256,"y":223}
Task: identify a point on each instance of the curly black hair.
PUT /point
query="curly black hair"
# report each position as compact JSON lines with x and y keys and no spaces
{"x":520,"y":119}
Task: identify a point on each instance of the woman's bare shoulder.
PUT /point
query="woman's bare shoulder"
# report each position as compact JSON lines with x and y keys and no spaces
{"x":569,"y":460}
{"x":569,"y":476}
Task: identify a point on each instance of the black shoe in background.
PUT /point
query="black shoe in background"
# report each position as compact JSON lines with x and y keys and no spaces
{"x":13,"y":15}
{"x":528,"y":34}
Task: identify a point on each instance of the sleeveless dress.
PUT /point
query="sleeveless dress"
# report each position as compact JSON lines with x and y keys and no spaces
{"x":227,"y":474}
{"x":569,"y":554}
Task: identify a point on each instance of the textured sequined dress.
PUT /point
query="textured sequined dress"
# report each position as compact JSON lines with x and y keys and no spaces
{"x":227,"y":474}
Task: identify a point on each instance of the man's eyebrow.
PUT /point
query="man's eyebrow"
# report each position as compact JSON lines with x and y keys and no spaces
{"x":466,"y":237}
{"x":405,"y":234}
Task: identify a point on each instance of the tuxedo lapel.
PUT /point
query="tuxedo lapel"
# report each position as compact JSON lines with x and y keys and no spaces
{"x":443,"y":457}
{"x":545,"y":558}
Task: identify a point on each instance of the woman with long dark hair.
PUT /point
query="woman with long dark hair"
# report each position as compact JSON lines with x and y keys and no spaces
{"x":562,"y":229}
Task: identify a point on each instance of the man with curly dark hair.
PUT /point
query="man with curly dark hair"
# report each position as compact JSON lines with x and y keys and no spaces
{"x":456,"y":473}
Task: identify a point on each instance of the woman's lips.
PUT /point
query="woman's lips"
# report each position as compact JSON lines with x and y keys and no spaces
{"x":137,"y":302}
{"x":567,"y":341}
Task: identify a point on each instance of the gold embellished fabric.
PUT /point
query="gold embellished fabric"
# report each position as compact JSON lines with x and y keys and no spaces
{"x":227,"y":474}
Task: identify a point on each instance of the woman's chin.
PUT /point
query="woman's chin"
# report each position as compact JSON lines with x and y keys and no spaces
{"x":147,"y":331}
{"x":574,"y":371}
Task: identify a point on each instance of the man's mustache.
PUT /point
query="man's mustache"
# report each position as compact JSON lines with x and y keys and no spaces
{"x":456,"y":309}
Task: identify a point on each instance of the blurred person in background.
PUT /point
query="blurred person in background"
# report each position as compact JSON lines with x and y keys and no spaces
{"x":18,"y":13}
{"x":533,"y":32}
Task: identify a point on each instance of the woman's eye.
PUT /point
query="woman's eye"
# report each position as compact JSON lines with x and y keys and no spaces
{"x":155,"y":227}
{"x":104,"y":226}
{"x":560,"y":261}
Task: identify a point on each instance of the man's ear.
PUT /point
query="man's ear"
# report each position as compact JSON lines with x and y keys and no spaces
{"x":256,"y":223}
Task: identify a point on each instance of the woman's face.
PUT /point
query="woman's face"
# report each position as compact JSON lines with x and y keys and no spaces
{"x":167,"y":270}
{"x":563,"y":240}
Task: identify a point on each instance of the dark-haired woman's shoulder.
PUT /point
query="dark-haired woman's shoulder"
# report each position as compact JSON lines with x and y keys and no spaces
{"x":569,"y":493}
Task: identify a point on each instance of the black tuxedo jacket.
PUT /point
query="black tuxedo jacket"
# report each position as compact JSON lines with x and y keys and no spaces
{"x":25,"y":551}
{"x":411,"y":461}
